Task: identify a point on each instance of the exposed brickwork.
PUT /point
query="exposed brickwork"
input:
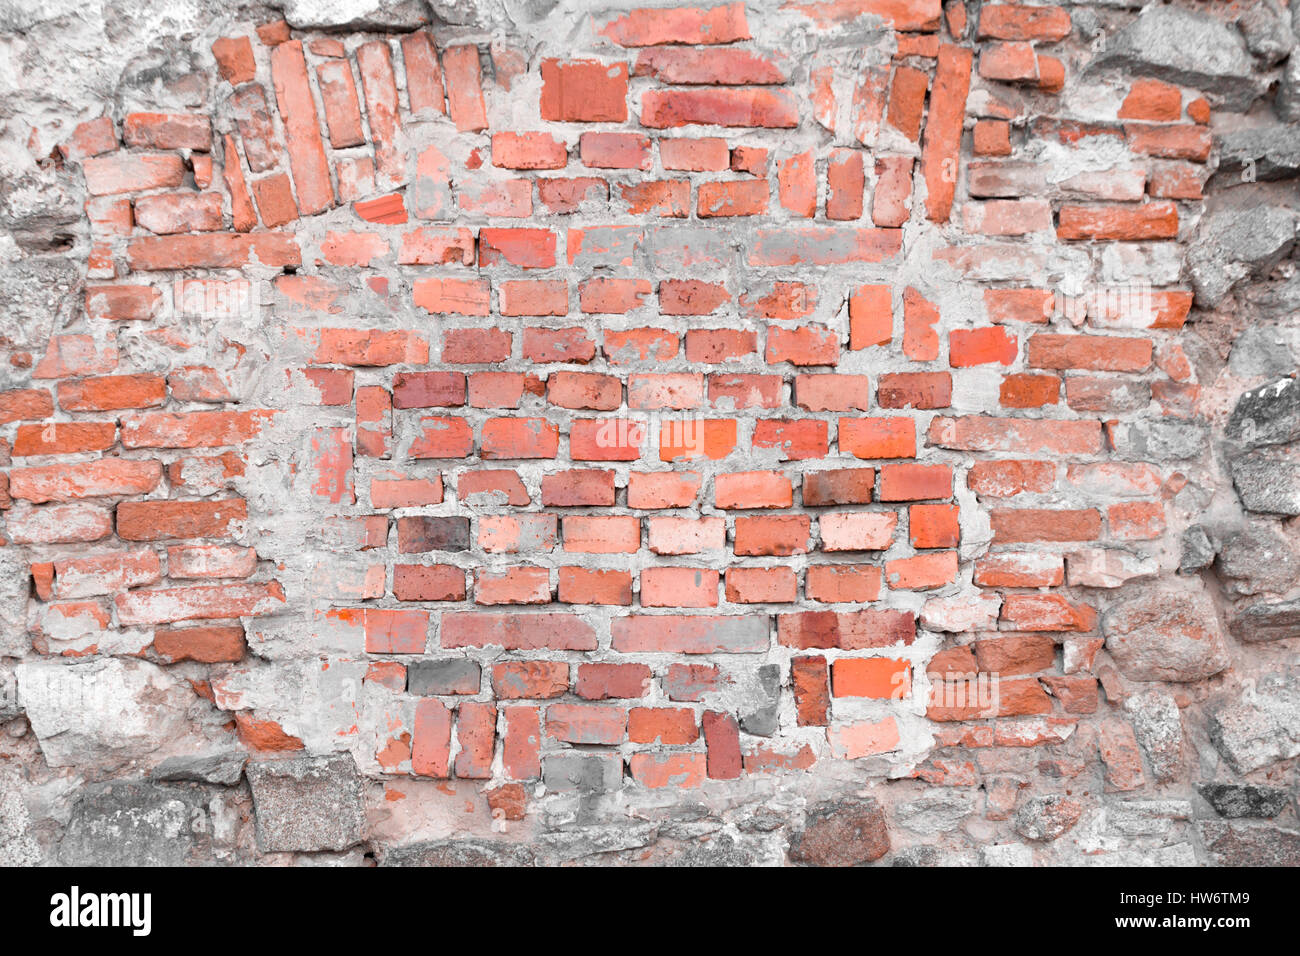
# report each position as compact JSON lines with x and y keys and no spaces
{"x":631,"y":404}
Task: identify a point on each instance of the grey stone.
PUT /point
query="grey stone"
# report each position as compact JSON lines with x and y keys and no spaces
{"x":1046,"y":818}
{"x":1237,"y":800}
{"x":1161,"y":440}
{"x":1261,"y":726}
{"x":928,"y":856}
{"x":101,"y":713}
{"x":1231,"y":244}
{"x":762,"y":721}
{"x":1147,"y":817}
{"x":1263,"y":350}
{"x":722,"y":850}
{"x":460,"y":853}
{"x":37,"y":296}
{"x":1197,"y":550}
{"x":1256,"y":559}
{"x":17,"y":847}
{"x":370,"y":15}
{"x":1166,"y":633}
{"x":452,"y":676}
{"x":1158,"y":726}
{"x":134,"y":823}
{"x":934,"y":812}
{"x":1186,"y":48}
{"x":1259,"y":154}
{"x":14,"y":575}
{"x":841,"y":833}
{"x":1267,"y":621}
{"x":222,"y":768}
{"x":1287,"y":101}
{"x":1268,"y":481}
{"x":583,"y":772}
{"x":1007,"y":854}
{"x":590,"y":842}
{"x":1266,"y":32}
{"x":8,"y":693}
{"x":305,"y":804}
{"x":1236,"y":845}
{"x":1266,"y":415}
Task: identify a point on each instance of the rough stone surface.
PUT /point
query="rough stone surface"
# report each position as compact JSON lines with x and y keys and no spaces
{"x":1232,"y":244}
{"x":1259,"y":558}
{"x":1236,"y":845}
{"x":1267,"y":415}
{"x":841,"y":834}
{"x":1181,"y":46}
{"x":106,"y":710}
{"x":460,"y":853}
{"x":1166,"y":634}
{"x":1158,"y":727}
{"x":1047,"y":818}
{"x":1261,"y":725}
{"x":1267,"y":621}
{"x":133,"y":824}
{"x":305,"y":804}
{"x":1245,"y":800}
{"x":1268,"y":482}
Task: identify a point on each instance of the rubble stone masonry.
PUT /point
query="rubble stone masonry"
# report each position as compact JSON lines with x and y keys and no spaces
{"x":784,"y":431}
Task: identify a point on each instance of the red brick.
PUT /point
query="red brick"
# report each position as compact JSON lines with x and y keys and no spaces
{"x":212,"y":251}
{"x":812,"y":696}
{"x":615,"y":151}
{"x":63,"y":438}
{"x":797,"y":185}
{"x":454,"y":297}
{"x":727,"y":67}
{"x":613,"y":681}
{"x":914,"y":390}
{"x":517,"y":631}
{"x":583,"y":91}
{"x":420,"y":582}
{"x":587,"y":586}
{"x":971,"y":347}
{"x":843,"y":583}
{"x":207,"y":645}
{"x":606,"y":534}
{"x":761,"y":585}
{"x":424,"y":87}
{"x":124,"y":172}
{"x":1157,"y":220}
{"x":92,"y":479}
{"x":586,"y":723}
{"x":661,"y":109}
{"x":518,"y":585}
{"x":1095,"y":352}
{"x":1013,"y":525}
{"x":26,"y":404}
{"x":463,"y":78}
{"x":941,"y":143}
{"x":311,"y":175}
{"x":743,"y":197}
{"x":342,"y":108}
{"x":526,"y":248}
{"x":694,"y":25}
{"x":878,"y":437}
{"x":159,"y":520}
{"x":772,"y":535}
{"x":167,"y":131}
{"x":530,"y":680}
{"x":722,"y":738}
{"x":519,"y":438}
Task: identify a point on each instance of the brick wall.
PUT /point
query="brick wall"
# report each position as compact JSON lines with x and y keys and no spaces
{"x":828,"y":419}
